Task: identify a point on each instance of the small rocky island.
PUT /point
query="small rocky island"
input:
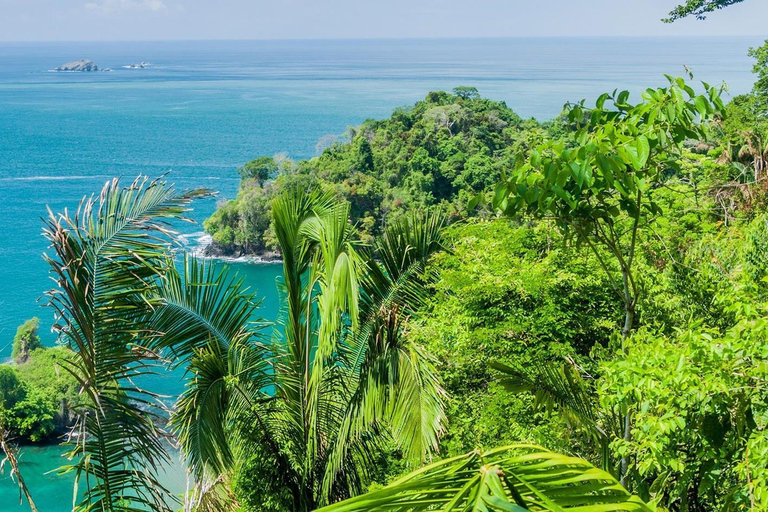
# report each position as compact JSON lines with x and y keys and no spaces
{"x":79,"y":65}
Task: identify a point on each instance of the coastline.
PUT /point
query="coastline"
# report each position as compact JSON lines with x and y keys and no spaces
{"x":201,"y":245}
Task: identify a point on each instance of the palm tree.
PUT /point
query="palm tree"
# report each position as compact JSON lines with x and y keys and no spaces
{"x":511,"y":479}
{"x":335,"y":384}
{"x":107,"y":261}
{"x":565,"y":388}
{"x":337,"y":380}
{"x":755,"y":148}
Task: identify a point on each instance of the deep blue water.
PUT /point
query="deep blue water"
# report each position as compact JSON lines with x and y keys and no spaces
{"x":202,"y":109}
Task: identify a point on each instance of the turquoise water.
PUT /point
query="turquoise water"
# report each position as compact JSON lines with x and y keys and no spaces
{"x":202,"y":109}
{"x":53,"y":492}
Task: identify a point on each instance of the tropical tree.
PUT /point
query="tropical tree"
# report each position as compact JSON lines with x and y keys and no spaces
{"x":598,"y":184}
{"x":26,"y":340}
{"x":106,"y":263}
{"x":260,"y":170}
{"x":337,"y":380}
{"x":513,"y":478}
{"x":698,"y":8}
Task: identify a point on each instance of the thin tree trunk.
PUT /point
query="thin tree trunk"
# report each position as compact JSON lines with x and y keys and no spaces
{"x":629,"y":319}
{"x":10,"y":454}
{"x":625,"y":460}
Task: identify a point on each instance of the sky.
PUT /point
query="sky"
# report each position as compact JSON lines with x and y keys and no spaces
{"x":134,"y":20}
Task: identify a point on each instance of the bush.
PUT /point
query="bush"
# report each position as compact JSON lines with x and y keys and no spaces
{"x":509,"y":293}
{"x":26,"y":411}
{"x":699,"y":402}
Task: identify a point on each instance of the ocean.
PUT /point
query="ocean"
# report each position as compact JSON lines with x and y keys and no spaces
{"x":201,"y":109}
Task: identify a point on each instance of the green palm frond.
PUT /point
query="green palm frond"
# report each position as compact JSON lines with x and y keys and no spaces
{"x":106,"y":262}
{"x":201,"y":303}
{"x":552,"y":385}
{"x":562,"y":387}
{"x":416,"y":414}
{"x":396,"y":289}
{"x":513,"y":478}
{"x":224,"y":388}
{"x":410,"y":239}
{"x":335,"y":274}
{"x":395,"y":382}
{"x":206,"y":321}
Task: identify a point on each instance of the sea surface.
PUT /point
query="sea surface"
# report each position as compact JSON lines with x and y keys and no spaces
{"x":201,"y":109}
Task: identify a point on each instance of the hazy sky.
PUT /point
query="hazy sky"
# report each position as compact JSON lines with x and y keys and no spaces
{"x":86,"y":20}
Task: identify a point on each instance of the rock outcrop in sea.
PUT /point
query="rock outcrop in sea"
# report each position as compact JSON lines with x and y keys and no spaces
{"x":79,"y":65}
{"x":238,"y":253}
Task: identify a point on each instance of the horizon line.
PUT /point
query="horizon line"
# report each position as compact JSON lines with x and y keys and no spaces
{"x":387,"y":38}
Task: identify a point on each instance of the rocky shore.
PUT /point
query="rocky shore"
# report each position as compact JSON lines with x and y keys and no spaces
{"x":236,"y":252}
{"x":207,"y":248}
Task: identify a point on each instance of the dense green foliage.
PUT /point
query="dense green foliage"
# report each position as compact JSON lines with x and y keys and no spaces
{"x":633,"y":227}
{"x":39,"y":396}
{"x":26,"y":340}
{"x":598,"y":183}
{"x":681,"y":401}
{"x":26,"y":411}
{"x":700,"y":398}
{"x":510,"y":293}
{"x":440,"y":151}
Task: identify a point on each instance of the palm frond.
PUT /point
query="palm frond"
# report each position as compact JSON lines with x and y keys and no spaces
{"x":200,"y":304}
{"x":512,"y":478}
{"x":552,"y":385}
{"x":224,"y":388}
{"x":336,"y":270}
{"x":206,"y":321}
{"x":395,"y":382}
{"x":106,"y":262}
{"x":11,"y":458}
{"x":410,"y":239}
{"x":562,"y":387}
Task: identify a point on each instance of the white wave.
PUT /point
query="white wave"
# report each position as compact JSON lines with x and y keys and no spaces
{"x":196,"y":243}
{"x":251,"y":260}
{"x":54,"y":178}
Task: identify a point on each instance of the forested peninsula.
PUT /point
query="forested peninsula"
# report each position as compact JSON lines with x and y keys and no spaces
{"x":441,"y":151}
